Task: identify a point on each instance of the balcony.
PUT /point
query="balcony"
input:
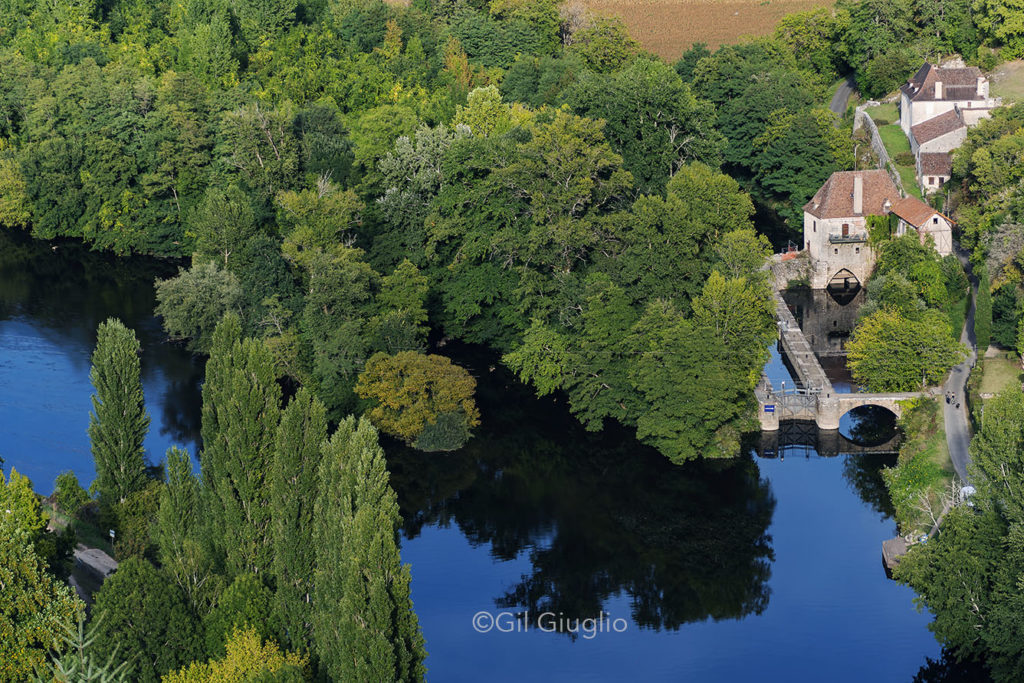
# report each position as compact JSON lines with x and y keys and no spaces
{"x":848,"y":238}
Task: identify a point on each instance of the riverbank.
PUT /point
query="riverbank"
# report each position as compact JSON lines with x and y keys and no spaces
{"x":536,"y":514}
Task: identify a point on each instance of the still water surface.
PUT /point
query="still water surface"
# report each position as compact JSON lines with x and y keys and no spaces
{"x":762,"y":569}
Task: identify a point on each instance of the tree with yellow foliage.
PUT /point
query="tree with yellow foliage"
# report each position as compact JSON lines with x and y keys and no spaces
{"x":248,"y":658}
{"x":418,"y":394}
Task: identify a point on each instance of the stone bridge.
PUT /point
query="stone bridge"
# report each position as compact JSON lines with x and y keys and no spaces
{"x":813,"y":399}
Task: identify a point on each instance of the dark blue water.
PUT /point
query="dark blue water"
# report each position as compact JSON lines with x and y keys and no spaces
{"x":757,"y":569}
{"x":51,"y":302}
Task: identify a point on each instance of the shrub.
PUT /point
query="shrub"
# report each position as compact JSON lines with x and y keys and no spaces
{"x":448,"y":433}
{"x":905,"y":159}
{"x":71,"y":497}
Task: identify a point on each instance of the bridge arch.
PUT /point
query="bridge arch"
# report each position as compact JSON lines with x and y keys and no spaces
{"x":868,"y":425}
{"x":843,"y":280}
{"x":831,"y":409}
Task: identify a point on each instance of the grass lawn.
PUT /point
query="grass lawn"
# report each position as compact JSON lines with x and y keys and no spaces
{"x":908,"y":174}
{"x":957,"y":314}
{"x":884,"y":112}
{"x":894,"y":139}
{"x":896,"y":143}
{"x":1000,"y":372}
{"x":1008,"y":81}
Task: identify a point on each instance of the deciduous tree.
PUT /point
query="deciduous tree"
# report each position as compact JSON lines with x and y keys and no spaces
{"x":118,"y":422}
{"x":363,"y":621}
{"x":412,"y":390}
{"x":241,"y":410}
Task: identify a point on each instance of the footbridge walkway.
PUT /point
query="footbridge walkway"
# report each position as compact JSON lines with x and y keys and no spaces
{"x":813,"y":399}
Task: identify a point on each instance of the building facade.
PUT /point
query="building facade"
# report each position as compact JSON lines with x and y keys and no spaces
{"x":936,"y":90}
{"x":913,"y":214}
{"x":835,"y":226}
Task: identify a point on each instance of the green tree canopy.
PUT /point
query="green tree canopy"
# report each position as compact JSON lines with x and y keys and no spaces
{"x":412,"y":390}
{"x":118,"y":422}
{"x":363,"y":622}
{"x":889,"y":352}
{"x":145,"y":619}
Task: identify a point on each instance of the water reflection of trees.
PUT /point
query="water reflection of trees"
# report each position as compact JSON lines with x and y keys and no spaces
{"x":869,"y":425}
{"x":598,"y":515}
{"x":863,"y":473}
{"x":68,"y":290}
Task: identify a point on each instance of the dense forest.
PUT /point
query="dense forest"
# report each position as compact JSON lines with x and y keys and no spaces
{"x":352,"y":177}
{"x":349,"y":184}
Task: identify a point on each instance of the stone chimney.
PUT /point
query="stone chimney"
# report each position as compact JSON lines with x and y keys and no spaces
{"x":938,"y":90}
{"x":886,"y":207}
{"x":858,"y":194}
{"x":982,"y":88}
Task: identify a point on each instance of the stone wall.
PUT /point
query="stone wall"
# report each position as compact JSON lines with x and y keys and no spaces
{"x":790,"y":267}
{"x":861,"y":118}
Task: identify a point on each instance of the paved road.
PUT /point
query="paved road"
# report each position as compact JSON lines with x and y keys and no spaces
{"x":842,"y":96}
{"x":958,"y":433}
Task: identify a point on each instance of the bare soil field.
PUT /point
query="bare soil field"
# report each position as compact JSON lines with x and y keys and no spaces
{"x":668,"y":27}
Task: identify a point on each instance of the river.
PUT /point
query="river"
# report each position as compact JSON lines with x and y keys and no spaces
{"x":759,"y":568}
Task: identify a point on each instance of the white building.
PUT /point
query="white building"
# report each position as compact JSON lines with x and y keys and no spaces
{"x":935,"y":90}
{"x":934,"y":169}
{"x":914,"y":214}
{"x":835,"y":226}
{"x":944,"y":133}
{"x":937,"y":106}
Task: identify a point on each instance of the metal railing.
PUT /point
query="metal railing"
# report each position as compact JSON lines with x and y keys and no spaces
{"x":837,"y":238}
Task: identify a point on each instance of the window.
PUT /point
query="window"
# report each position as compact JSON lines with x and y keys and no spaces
{"x":931,"y":180}
{"x":935,"y":220}
{"x":858,"y":250}
{"x":814,"y":228}
{"x":836,"y":250}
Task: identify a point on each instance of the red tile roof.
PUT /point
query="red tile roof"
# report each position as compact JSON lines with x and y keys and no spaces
{"x":835,"y":198}
{"x":938,"y":126}
{"x":914,"y":211}
{"x":937,"y":164}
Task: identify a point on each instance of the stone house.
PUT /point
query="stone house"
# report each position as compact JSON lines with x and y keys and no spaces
{"x":912,"y":213}
{"x":835,"y":226}
{"x":934,"y":169}
{"x":935,"y":90}
{"x":944,"y":133}
{"x":937,"y":106}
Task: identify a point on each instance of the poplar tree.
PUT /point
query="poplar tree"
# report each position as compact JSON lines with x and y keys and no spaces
{"x":180,"y":525}
{"x":363,"y":622}
{"x":118,"y":422}
{"x":293,"y":490}
{"x":241,"y":410}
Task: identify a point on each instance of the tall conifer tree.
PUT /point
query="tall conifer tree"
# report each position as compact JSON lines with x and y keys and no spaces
{"x":294,"y":477}
{"x":118,"y":422}
{"x":363,"y":623}
{"x":241,"y":410}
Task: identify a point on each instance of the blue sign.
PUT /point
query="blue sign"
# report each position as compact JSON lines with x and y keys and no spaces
{"x":769,"y":409}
